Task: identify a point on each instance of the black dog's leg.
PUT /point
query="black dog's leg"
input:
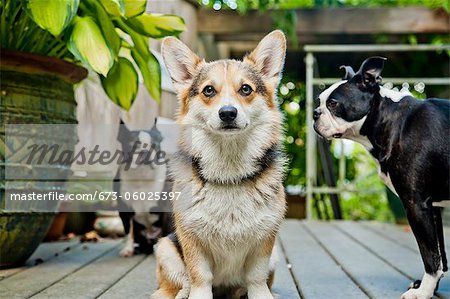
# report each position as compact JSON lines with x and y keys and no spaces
{"x":421,"y":217}
{"x":126,"y":217}
{"x":440,"y":230}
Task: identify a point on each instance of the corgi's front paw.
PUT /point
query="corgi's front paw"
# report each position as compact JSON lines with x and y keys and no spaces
{"x":201,"y":293}
{"x":416,"y":294}
{"x":259,"y":292}
{"x":183,"y":294}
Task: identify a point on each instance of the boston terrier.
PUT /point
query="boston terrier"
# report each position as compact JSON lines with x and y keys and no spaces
{"x":142,"y":223}
{"x":410,"y":140}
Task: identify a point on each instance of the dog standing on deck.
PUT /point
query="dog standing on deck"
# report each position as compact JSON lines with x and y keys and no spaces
{"x":410,"y":140}
{"x":228,"y":171}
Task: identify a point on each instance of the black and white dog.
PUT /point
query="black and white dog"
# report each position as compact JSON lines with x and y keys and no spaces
{"x":142,"y":224}
{"x":410,"y":140}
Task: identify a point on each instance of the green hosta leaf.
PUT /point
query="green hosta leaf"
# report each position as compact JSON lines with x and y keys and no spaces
{"x":122,"y":83}
{"x":157,"y":25}
{"x":147,"y":63}
{"x":107,"y":27}
{"x":125,"y":8}
{"x":52,"y":15}
{"x":114,"y":7}
{"x":134,"y":7}
{"x":141,"y":43}
{"x":89,"y":46}
{"x":150,"y":71}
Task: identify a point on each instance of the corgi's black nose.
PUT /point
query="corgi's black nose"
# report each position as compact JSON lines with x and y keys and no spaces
{"x":316,"y":113}
{"x":228,"y":113}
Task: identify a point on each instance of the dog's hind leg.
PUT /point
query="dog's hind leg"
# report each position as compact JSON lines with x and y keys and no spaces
{"x":440,"y":230}
{"x":171,"y":270}
{"x":422,"y":220}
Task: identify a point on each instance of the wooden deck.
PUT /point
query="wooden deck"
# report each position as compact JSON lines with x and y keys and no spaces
{"x":317,"y":260}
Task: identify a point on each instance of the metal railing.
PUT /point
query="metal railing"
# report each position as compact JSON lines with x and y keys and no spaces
{"x":311,"y":81}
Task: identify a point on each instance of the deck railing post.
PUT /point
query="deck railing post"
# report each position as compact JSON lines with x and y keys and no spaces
{"x":310,"y":138}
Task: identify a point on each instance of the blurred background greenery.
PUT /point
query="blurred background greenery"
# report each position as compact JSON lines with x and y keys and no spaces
{"x":244,"y":5}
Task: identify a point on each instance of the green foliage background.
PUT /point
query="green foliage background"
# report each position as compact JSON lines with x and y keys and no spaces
{"x":244,"y":5}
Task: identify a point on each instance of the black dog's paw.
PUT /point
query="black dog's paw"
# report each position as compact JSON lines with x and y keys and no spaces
{"x":415,"y":284}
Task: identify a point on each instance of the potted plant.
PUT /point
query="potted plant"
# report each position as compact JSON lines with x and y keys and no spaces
{"x":46,"y":48}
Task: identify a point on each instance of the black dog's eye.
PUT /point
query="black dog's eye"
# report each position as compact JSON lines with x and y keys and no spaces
{"x":332,"y":103}
{"x":245,"y":90}
{"x":209,"y":91}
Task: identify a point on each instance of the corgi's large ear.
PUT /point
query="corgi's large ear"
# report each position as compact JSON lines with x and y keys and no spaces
{"x":268,"y":56}
{"x":180,"y":61}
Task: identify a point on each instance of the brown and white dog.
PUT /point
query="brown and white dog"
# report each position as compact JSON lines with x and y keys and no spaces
{"x":229,"y":171}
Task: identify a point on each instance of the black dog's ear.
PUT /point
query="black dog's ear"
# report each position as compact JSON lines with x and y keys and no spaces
{"x":349,"y":72}
{"x":124,"y":134}
{"x":370,"y":71}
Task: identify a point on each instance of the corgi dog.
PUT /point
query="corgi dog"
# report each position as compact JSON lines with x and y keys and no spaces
{"x":229,"y":172}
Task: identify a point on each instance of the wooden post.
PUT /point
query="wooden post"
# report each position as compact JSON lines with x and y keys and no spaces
{"x":310,"y":137}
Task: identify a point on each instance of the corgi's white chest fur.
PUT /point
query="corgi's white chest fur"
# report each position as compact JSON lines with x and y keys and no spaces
{"x":230,"y":221}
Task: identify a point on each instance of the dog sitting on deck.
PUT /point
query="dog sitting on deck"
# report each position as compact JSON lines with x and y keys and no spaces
{"x":410,"y":140}
{"x":229,"y":171}
{"x":142,"y":224}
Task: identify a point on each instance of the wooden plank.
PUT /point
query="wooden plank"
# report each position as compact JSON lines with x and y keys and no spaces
{"x":400,"y":240}
{"x":30,"y":282}
{"x":403,"y":259}
{"x":284,"y":284}
{"x":402,"y":234}
{"x":348,"y":20}
{"x":43,"y":253}
{"x":139,"y":283}
{"x":315,"y":272}
{"x":374,"y":276}
{"x":93,"y":279}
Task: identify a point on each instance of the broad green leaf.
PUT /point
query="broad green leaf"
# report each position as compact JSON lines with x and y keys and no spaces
{"x":122,"y":83}
{"x":107,"y":27}
{"x":114,"y":7}
{"x":134,"y":7}
{"x":87,"y":44}
{"x":52,"y":15}
{"x":125,"y":8}
{"x":141,"y":43}
{"x":150,"y":71}
{"x":157,"y":25}
{"x":147,"y":63}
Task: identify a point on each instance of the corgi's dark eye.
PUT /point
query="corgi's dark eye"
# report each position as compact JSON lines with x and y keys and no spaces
{"x":245,"y":90}
{"x":332,"y":103}
{"x":209,"y":91}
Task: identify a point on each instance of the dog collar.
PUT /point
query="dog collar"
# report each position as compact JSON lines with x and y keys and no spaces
{"x":270,"y":156}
